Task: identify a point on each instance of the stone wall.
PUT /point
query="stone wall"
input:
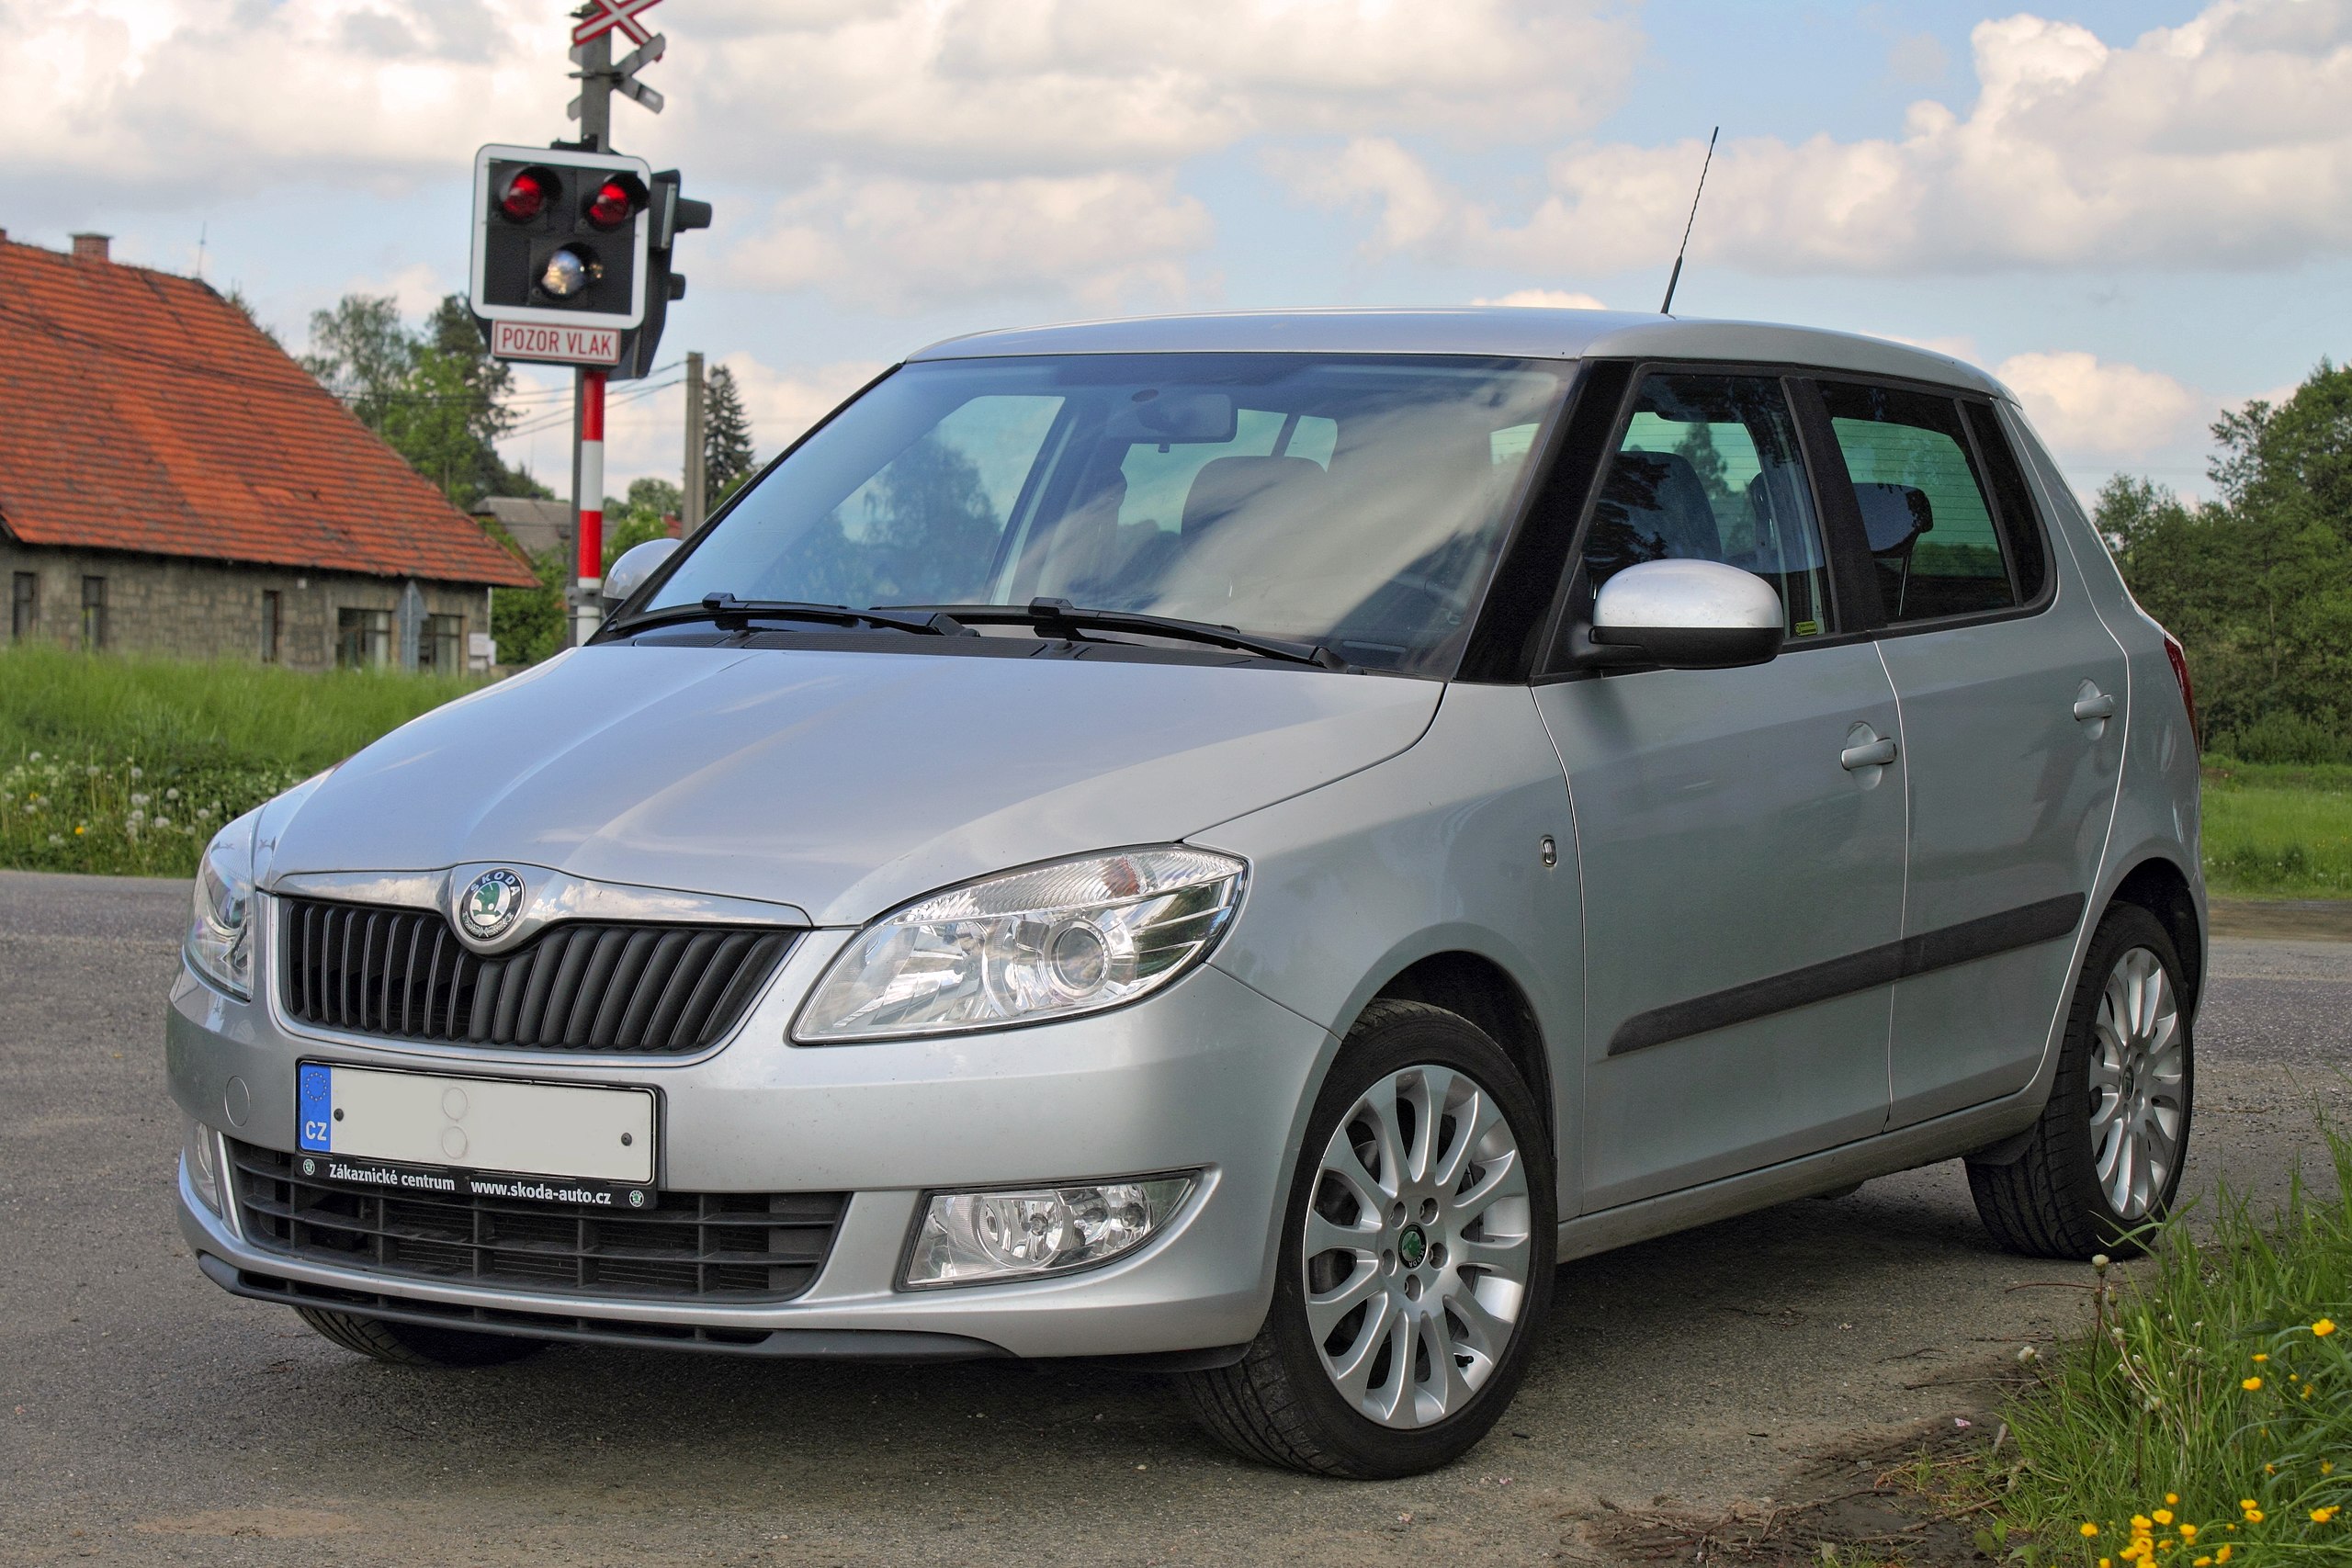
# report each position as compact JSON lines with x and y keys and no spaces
{"x":198,"y":609}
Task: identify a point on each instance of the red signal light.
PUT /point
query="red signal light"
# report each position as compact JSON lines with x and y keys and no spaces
{"x":610,"y":206}
{"x":525,"y":194}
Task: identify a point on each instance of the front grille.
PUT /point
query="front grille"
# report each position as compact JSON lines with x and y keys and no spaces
{"x":732,"y":1247}
{"x":575,"y":987}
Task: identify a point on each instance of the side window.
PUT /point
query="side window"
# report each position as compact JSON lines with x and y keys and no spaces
{"x":1709,"y":470}
{"x":1930,"y":527}
{"x":2028,"y":562}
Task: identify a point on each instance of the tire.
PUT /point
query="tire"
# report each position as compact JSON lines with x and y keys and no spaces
{"x":1283,"y":1403}
{"x":2058,"y":1198}
{"x":416,"y":1344}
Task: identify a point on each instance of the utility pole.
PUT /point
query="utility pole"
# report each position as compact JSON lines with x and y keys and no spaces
{"x":695,"y":504}
{"x":594,"y":105}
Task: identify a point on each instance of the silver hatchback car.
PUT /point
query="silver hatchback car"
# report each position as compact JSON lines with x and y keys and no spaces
{"x":1234,"y":843}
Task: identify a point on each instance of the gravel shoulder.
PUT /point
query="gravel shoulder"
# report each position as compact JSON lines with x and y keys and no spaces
{"x":146,"y":1416}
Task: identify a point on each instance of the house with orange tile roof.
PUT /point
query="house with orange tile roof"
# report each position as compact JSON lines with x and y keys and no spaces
{"x":172,"y":482}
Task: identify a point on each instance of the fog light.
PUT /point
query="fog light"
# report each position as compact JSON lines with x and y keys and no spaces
{"x":972,"y":1237}
{"x":199,"y":1154}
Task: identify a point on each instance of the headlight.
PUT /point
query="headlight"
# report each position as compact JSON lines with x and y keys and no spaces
{"x":219,"y":928}
{"x":1053,"y":942}
{"x":971,"y":1239}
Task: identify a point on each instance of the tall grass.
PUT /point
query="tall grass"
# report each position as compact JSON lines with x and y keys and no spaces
{"x":2278,"y":830}
{"x":2204,"y":1415}
{"x":129,"y":765}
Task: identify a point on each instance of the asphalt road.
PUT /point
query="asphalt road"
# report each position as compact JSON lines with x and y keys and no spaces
{"x":146,"y":1416}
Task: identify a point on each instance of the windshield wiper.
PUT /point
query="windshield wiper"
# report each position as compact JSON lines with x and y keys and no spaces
{"x":725,"y":608}
{"x":1050,"y":615}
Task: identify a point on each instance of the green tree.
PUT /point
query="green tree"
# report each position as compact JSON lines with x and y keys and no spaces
{"x":434,"y":394}
{"x":649,"y":513}
{"x":528,"y":624}
{"x":2257,"y":583}
{"x":727,"y":437}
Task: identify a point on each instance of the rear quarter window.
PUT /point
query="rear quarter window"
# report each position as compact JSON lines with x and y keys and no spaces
{"x":1931,"y":525}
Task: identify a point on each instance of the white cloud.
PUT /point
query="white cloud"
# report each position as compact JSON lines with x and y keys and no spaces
{"x":2222,"y":143}
{"x":2084,"y":406}
{"x":166,"y":99}
{"x":1546,"y":298}
{"x":783,"y":404}
{"x":896,"y":245}
{"x":1009,"y":87}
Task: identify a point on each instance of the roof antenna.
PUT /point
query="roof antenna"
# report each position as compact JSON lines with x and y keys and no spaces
{"x":201,"y":229}
{"x":1667,"y":309}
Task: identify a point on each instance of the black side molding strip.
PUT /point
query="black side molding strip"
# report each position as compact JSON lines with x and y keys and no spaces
{"x":2025,"y":926}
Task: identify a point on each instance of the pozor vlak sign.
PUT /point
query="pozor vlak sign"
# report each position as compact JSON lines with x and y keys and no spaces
{"x":560,"y":241}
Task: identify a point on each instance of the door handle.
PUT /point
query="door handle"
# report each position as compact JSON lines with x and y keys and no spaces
{"x":2097,"y":704}
{"x":1875,"y":753}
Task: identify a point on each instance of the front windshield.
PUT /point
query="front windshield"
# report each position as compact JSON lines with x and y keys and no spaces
{"x":1351,"y":500}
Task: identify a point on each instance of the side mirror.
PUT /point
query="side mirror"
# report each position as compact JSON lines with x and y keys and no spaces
{"x":1688,"y":614}
{"x":628,"y":573}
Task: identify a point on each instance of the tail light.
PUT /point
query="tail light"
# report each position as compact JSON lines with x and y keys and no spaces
{"x":2179,"y":659}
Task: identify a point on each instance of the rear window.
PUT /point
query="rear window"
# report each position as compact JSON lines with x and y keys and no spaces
{"x":1933,"y":535}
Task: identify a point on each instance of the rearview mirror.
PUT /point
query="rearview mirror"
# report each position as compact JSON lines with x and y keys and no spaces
{"x":1688,"y":614}
{"x":628,"y":573}
{"x":1179,"y":414}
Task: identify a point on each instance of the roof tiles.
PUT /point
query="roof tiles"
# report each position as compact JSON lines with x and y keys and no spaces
{"x":139,"y":410}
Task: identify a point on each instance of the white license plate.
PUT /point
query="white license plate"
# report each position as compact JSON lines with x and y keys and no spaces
{"x":434,"y":1119}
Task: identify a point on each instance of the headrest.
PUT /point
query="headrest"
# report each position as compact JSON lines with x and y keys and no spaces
{"x":1659,"y":496}
{"x":1226,"y":485}
{"x":1893,"y":515}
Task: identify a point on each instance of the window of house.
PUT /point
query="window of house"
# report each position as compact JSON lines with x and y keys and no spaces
{"x":363,"y":639}
{"x":1709,"y":470}
{"x":272,"y":609}
{"x":440,"y":642}
{"x":94,"y":613}
{"x":23,"y":605}
{"x":1923,"y":502}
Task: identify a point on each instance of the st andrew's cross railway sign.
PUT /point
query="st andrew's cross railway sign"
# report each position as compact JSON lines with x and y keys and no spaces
{"x":604,"y":16}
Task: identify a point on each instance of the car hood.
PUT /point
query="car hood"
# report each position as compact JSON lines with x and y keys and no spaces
{"x":843,"y":783}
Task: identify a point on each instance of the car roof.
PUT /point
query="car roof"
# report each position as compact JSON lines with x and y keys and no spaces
{"x":1515,"y":332}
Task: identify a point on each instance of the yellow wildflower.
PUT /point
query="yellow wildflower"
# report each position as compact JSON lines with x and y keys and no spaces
{"x":2222,"y":1555}
{"x":2089,"y":1530}
{"x":2327,"y":1467}
{"x":2188,"y":1530}
{"x":2261,"y":1356}
{"x":2323,"y":1327}
{"x":2163,"y":1516}
{"x":2201,"y":1562}
{"x":2254,"y":1515}
{"x":2170,"y":1499}
{"x":2322,"y":1516}
{"x":2251,"y":1384}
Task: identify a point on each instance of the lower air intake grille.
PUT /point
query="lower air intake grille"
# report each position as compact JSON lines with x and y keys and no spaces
{"x":404,"y":973}
{"x":736,"y":1247}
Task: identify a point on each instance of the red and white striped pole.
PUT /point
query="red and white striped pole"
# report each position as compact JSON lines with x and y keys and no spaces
{"x":590,"y":496}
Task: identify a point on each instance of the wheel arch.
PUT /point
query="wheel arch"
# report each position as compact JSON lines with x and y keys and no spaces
{"x":1483,"y":991}
{"x":2160,"y":886}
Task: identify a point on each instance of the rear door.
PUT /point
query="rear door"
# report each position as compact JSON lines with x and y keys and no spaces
{"x":1739,"y":832}
{"x":2011,"y":693}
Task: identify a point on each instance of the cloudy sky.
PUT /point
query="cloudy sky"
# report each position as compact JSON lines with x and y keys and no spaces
{"x":2133,"y":213}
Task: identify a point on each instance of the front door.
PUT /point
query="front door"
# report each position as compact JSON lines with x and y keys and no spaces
{"x":2013,"y":712}
{"x":1739,"y":832}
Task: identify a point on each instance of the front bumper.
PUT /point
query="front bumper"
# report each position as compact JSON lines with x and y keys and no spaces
{"x":1208,"y":1076}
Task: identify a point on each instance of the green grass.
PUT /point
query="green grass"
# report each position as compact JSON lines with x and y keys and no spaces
{"x":129,"y":765}
{"x":2278,"y":830}
{"x":2150,"y":1402}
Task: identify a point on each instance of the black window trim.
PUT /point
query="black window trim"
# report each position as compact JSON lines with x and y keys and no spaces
{"x":1546,"y":647}
{"x":2037,"y":524}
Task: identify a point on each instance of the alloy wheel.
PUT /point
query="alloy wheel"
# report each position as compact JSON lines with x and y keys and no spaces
{"x":1417,"y":1246}
{"x":2137,"y":1077}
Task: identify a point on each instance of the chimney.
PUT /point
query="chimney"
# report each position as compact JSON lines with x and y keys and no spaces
{"x":91,"y":247}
